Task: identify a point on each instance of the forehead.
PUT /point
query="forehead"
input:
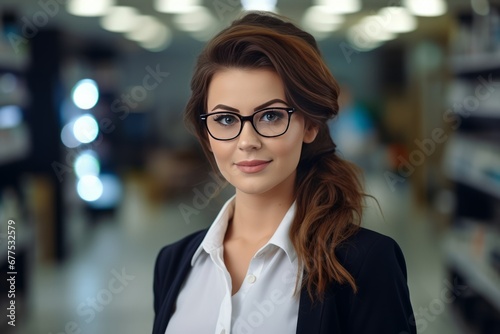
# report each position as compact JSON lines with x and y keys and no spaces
{"x":244,"y":88}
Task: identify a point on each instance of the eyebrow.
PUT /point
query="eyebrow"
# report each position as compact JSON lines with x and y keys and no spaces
{"x":268,"y":103}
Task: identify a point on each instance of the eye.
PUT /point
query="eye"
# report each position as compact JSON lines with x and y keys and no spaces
{"x":225,"y":119}
{"x":273,"y":115}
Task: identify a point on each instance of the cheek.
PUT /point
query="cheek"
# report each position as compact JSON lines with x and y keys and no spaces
{"x":222,"y":153}
{"x":290,"y":147}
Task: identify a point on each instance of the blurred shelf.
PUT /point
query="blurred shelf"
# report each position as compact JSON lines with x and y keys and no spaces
{"x":475,"y":269}
{"x":474,"y":162}
{"x":470,"y":64}
{"x":492,"y":113}
{"x":10,"y":60}
{"x":479,"y":184}
{"x":486,"y":114}
{"x":15,"y":144}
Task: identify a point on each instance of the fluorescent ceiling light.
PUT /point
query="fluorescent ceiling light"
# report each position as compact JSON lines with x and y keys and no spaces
{"x":160,"y":41}
{"x":340,"y":6}
{"x":317,"y":19}
{"x":360,"y":41}
{"x":89,"y":8}
{"x":175,"y":6}
{"x":197,"y":19}
{"x":269,"y":5}
{"x":375,"y":28}
{"x":426,"y":7}
{"x":397,"y":19}
{"x":120,"y":19}
{"x":146,"y":27}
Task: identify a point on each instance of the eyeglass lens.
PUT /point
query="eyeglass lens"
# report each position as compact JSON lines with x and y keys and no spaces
{"x":268,"y":123}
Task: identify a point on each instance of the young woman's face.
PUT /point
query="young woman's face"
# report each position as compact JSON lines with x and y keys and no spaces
{"x":251,"y":163}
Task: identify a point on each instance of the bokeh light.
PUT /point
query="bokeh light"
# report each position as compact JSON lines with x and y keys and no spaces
{"x":85,"y":129}
{"x":85,"y":94}
{"x":89,"y":188}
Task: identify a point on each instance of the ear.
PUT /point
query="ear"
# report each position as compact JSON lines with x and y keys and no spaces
{"x":310,"y":133}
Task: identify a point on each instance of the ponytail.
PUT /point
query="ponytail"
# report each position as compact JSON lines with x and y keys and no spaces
{"x":329,"y":208}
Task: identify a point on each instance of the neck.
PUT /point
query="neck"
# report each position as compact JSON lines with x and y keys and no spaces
{"x":258,"y":216}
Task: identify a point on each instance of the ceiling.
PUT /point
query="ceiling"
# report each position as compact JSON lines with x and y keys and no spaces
{"x":85,"y":26}
{"x":291,"y":8}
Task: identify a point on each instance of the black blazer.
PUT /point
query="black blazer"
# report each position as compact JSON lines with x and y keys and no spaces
{"x":381,"y":306}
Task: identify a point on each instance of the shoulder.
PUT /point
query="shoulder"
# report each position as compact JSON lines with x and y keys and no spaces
{"x":184,"y":245}
{"x":368,"y":249}
{"x":181,"y":250}
{"x":378,"y":267}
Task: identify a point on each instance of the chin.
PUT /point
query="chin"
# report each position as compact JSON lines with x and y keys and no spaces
{"x":250,"y":190}
{"x":255,"y":188}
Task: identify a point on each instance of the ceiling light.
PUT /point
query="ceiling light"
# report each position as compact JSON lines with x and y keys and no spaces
{"x":145,"y":28}
{"x":89,"y":8}
{"x":375,"y":27}
{"x":160,"y":41}
{"x":197,"y":19}
{"x":360,"y":41}
{"x":397,"y":19}
{"x":269,"y":5}
{"x":175,"y":6}
{"x":426,"y":7}
{"x":340,"y":6}
{"x":317,"y":19}
{"x":120,"y":19}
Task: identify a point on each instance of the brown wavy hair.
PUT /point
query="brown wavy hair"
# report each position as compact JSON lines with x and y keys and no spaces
{"x":328,"y":189}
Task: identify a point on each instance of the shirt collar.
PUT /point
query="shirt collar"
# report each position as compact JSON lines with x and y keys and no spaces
{"x":215,"y":235}
{"x":281,"y":236}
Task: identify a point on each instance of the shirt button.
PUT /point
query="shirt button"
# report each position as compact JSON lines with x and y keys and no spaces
{"x":251,"y":279}
{"x":223,"y":331}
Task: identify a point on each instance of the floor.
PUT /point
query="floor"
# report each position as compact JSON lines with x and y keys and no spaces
{"x":106,"y":285}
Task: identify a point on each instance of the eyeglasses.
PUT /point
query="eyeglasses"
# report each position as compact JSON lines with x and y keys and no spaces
{"x":268,"y":122}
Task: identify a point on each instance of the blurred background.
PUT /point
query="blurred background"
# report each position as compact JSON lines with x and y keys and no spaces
{"x":97,"y":171}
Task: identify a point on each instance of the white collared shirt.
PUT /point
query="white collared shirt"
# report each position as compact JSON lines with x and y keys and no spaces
{"x":265,"y":302}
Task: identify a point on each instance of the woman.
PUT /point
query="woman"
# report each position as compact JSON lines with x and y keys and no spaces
{"x":286,"y":253}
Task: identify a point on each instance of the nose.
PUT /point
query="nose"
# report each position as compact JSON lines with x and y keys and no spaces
{"x":249,"y":139}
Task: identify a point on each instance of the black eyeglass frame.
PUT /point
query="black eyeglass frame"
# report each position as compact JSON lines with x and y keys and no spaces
{"x":249,"y":118}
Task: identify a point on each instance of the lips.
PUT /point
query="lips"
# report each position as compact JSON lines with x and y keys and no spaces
{"x":252,"y":166}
